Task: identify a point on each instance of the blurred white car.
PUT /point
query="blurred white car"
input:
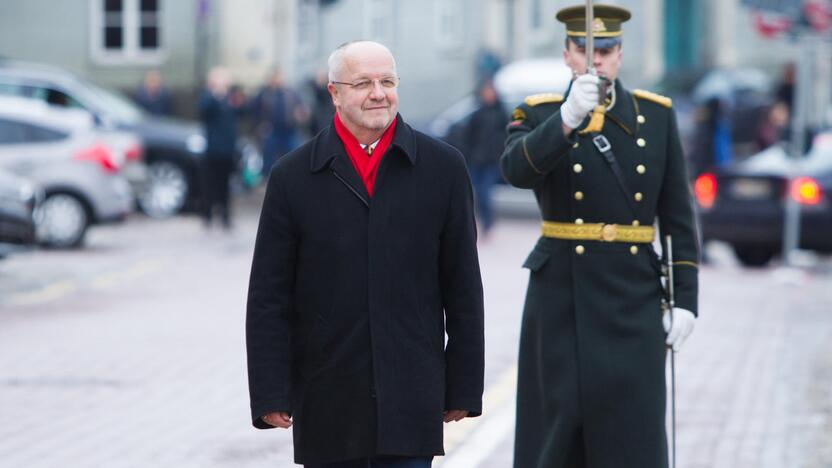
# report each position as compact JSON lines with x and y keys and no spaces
{"x":80,"y":168}
{"x":513,"y":82}
{"x":18,"y":201}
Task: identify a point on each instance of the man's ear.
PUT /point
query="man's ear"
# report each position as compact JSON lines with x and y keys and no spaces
{"x":333,"y":92}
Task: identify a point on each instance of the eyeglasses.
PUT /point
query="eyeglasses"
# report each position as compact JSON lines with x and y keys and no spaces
{"x":388,"y":82}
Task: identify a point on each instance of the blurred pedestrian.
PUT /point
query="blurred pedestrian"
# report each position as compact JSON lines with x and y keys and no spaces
{"x":483,"y":144}
{"x":322,"y":108}
{"x":153,"y":96}
{"x":785,"y":89}
{"x":712,"y":146}
{"x":591,"y":383}
{"x":774,"y":126}
{"x":365,"y":258}
{"x":278,"y":115}
{"x":219,"y":109}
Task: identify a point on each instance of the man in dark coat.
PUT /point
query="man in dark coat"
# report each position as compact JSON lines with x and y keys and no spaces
{"x":218,"y":112}
{"x":277,"y":112}
{"x":591,"y":386}
{"x":483,"y":143}
{"x":365,"y":257}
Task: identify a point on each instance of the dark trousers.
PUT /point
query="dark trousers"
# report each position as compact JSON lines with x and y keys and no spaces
{"x":483,"y":179}
{"x":385,"y":462}
{"x":215,"y":190}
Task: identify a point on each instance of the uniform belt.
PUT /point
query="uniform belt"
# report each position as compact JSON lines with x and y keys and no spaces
{"x":598,"y":232}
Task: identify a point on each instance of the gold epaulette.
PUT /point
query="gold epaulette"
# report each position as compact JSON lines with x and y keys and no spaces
{"x":657,"y":98}
{"x":543,"y":98}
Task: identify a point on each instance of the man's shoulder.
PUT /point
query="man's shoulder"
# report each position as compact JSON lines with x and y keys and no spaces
{"x":652,"y":99}
{"x":536,"y":108}
{"x":296,"y":160}
{"x":438,"y":155}
{"x":543,"y":99}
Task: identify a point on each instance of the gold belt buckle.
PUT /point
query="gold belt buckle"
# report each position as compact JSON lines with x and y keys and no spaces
{"x":609,"y":232}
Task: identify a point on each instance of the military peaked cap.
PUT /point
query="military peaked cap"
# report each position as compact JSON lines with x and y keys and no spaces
{"x":606,"y":27}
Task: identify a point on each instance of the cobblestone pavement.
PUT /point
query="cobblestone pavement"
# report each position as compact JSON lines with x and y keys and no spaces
{"x":130,"y":353}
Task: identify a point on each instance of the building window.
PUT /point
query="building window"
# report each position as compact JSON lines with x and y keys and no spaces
{"x":450,"y":23}
{"x":378,"y":21}
{"x":149,"y":24}
{"x":126,"y":31}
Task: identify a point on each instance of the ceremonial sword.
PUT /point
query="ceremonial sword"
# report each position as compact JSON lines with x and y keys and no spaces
{"x":670,"y":304}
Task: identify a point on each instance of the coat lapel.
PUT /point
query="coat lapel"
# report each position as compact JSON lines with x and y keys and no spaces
{"x":623,"y":113}
{"x":329,"y":154}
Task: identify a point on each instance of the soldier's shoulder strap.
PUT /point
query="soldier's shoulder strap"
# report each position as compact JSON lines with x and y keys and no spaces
{"x":653,"y":97}
{"x":543,"y":98}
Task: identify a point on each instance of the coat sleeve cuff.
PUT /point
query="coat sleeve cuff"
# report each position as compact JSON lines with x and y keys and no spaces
{"x":685,"y":287}
{"x":472,"y":405}
{"x":260,"y":410}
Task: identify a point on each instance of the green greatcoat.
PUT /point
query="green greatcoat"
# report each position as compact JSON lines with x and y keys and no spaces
{"x":591,"y":385}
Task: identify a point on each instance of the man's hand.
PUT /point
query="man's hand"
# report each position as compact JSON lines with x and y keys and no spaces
{"x":680,"y":329}
{"x":582,"y":99}
{"x":454,"y":415}
{"x":279,"y":419}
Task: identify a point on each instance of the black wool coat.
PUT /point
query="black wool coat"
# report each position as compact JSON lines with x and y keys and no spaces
{"x":350,"y":297}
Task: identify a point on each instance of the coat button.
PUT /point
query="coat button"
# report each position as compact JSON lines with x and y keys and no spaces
{"x":641,"y":142}
{"x":579,"y":196}
{"x":638,"y":196}
{"x":579,"y":250}
{"x":579,"y":221}
{"x":636,"y":223}
{"x":576,"y":145}
{"x":633,"y":250}
{"x":641,"y":119}
{"x":641,"y":169}
{"x":577,"y":168}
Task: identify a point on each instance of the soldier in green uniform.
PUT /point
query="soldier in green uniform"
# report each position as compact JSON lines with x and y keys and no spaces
{"x":591,"y":386}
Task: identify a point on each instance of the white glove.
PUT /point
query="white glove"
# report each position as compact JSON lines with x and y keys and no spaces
{"x":583,"y":97}
{"x":680,"y":329}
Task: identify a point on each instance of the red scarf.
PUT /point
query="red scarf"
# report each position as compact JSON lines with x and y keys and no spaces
{"x":366,"y":166}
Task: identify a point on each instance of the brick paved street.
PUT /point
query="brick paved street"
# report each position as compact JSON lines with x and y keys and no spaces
{"x":131,"y":354}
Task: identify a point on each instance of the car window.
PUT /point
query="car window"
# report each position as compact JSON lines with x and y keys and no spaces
{"x":38,"y":134}
{"x":11,"y":132}
{"x":41,"y":93}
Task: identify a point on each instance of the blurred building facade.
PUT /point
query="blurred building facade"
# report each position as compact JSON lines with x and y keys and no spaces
{"x":437,"y":42}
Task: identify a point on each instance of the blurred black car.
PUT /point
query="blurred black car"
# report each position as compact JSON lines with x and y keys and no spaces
{"x":18,"y":201}
{"x":743,"y":94}
{"x":744,"y":205}
{"x":172,"y":147}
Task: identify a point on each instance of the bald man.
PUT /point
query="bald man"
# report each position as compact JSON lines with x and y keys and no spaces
{"x":365,"y":258}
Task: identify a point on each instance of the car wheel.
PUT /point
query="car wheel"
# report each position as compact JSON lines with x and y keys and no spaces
{"x":61,"y":221}
{"x":165,"y":191}
{"x":753,"y":256}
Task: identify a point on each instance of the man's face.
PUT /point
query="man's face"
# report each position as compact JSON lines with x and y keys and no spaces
{"x":375,"y":107}
{"x":606,"y":61}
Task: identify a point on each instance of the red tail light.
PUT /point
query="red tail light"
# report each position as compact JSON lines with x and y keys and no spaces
{"x":134,"y":153}
{"x":806,"y":191}
{"x":705,"y":190}
{"x":100,"y":154}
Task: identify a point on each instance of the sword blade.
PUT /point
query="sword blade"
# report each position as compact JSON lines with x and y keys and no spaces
{"x":590,"y":43}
